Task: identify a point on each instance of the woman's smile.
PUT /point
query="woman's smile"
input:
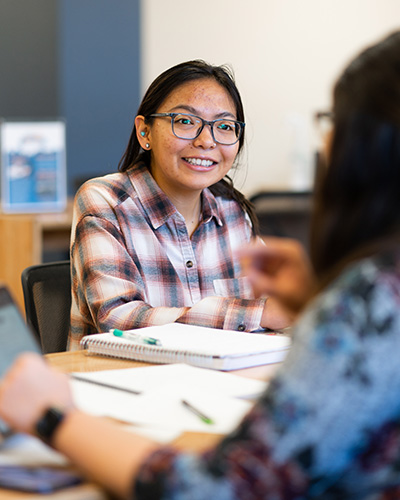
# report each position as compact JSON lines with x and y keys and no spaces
{"x":200,"y":164}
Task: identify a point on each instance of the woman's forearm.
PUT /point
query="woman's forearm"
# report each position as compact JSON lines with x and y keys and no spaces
{"x":103,"y":450}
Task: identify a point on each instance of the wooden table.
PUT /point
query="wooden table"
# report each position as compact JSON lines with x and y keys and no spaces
{"x":79,"y":361}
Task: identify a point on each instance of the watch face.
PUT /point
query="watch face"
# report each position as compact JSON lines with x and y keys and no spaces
{"x":47,"y":425}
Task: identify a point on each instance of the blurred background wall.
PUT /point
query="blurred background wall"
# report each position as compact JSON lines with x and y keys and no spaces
{"x":79,"y":60}
{"x":285,"y":54}
{"x":90,"y":61}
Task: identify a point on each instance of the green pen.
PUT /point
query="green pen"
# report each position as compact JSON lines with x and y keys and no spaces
{"x":134,"y":336}
{"x":204,"y":418}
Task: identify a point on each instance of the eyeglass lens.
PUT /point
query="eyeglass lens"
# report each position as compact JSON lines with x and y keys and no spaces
{"x":188,"y":127}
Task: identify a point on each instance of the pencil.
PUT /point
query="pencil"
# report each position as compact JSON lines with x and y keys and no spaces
{"x":197,"y":412}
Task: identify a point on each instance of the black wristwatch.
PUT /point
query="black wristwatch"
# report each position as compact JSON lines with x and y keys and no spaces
{"x":48,"y":423}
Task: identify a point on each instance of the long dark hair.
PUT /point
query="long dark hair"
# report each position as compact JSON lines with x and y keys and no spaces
{"x":158,"y":92}
{"x":358,"y":202}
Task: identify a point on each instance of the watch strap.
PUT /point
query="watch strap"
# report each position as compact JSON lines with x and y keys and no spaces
{"x":48,"y":423}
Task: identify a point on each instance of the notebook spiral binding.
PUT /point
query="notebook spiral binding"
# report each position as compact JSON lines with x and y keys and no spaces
{"x":145,"y":353}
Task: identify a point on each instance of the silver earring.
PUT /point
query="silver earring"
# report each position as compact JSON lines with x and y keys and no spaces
{"x":147,"y":145}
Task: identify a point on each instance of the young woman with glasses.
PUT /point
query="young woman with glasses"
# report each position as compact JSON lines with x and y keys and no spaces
{"x":155,"y":243}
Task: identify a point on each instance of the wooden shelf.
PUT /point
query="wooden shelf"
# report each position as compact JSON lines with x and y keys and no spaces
{"x":25,"y":240}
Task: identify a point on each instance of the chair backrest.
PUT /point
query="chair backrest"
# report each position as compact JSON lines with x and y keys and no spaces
{"x":47,"y":296}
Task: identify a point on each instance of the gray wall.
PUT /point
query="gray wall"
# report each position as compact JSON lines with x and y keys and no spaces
{"x":76,"y":59}
{"x":28,"y":58}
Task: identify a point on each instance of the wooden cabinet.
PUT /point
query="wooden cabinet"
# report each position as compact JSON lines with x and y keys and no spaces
{"x":31,"y":239}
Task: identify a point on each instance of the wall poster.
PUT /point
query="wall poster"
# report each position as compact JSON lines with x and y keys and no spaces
{"x":33,"y":166}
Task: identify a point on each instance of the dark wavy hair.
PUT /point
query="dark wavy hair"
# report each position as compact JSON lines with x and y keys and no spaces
{"x":358,"y":202}
{"x":158,"y":92}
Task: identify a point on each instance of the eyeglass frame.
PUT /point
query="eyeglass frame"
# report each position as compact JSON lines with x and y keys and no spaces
{"x":203,"y":124}
{"x":324,"y":115}
{"x":324,"y":122}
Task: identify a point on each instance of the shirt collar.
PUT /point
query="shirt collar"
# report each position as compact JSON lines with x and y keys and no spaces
{"x":210,"y":207}
{"x":156,"y":203}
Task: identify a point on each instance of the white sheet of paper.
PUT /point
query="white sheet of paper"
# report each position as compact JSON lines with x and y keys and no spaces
{"x":161,"y":409}
{"x":178,"y":378}
{"x":162,"y":388}
{"x":21,"y":449}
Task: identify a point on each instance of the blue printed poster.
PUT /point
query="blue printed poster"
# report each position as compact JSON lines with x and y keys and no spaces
{"x":33,"y":170}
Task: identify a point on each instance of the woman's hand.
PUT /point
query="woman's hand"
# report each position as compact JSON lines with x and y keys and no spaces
{"x":28,"y":389}
{"x":279,"y":269}
{"x":275,"y":316}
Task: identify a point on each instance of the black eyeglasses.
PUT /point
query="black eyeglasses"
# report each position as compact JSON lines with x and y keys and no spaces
{"x":324,"y":120}
{"x":187,"y":126}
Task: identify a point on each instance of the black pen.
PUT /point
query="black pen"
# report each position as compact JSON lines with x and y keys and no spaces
{"x":103,"y":384}
{"x":204,"y":418}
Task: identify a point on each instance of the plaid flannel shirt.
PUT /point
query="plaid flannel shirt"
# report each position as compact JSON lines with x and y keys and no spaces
{"x":134,"y":265}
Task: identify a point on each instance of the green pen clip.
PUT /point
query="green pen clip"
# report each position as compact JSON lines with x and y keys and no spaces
{"x":136,"y":337}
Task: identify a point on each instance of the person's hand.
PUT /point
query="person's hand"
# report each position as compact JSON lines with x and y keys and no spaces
{"x":28,"y":389}
{"x":280,"y":269}
{"x":276,"y":316}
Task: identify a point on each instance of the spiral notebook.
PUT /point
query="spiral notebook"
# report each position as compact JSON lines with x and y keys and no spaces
{"x":198,"y":346}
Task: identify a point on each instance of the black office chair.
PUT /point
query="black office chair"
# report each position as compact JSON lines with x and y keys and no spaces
{"x":284,"y":213}
{"x":47,"y":296}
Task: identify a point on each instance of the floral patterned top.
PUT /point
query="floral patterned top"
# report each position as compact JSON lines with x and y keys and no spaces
{"x":328,"y":426}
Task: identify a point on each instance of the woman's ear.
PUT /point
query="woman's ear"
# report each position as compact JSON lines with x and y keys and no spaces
{"x":142,"y":131}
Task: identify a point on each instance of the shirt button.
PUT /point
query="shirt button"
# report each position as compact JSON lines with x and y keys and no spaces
{"x":189,"y":264}
{"x":242,"y":328}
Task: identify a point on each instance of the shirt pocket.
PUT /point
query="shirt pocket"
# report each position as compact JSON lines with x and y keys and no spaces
{"x":238,"y":288}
